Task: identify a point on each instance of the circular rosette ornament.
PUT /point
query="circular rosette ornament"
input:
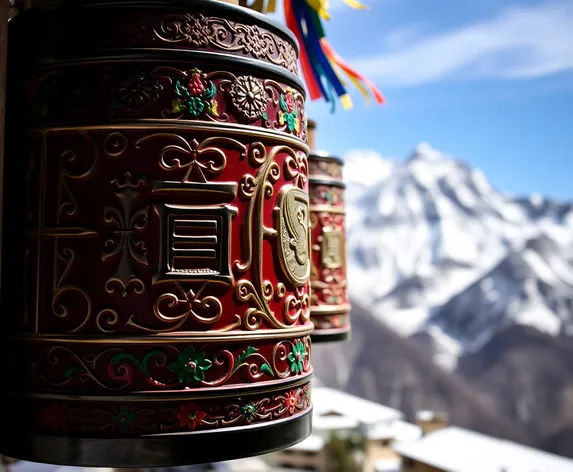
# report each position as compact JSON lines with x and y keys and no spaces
{"x":196,"y":95}
{"x":249,"y":98}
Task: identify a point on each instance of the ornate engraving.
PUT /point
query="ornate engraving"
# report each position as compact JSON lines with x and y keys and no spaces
{"x":73,"y":169}
{"x":136,"y":91}
{"x":249,"y":98}
{"x":218,"y":33}
{"x":74,"y":294}
{"x":195,"y":243}
{"x":170,"y":366}
{"x":115,"y":144}
{"x":127,"y":222}
{"x":294,"y":234}
{"x":120,"y":419}
{"x":327,"y":167}
{"x":204,"y":159}
{"x":297,"y":306}
{"x":296,"y":168}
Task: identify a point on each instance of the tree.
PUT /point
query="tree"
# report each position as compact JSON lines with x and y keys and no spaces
{"x":342,"y":452}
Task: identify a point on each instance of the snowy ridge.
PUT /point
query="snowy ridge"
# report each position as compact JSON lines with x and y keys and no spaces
{"x":434,"y":248}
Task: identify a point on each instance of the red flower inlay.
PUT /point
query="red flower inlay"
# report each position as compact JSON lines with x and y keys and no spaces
{"x":291,"y":399}
{"x":190,"y":416}
{"x":196,"y":86}
{"x":53,"y":417}
{"x":289,"y":100}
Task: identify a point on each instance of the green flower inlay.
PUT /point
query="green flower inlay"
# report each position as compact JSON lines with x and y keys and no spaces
{"x":249,"y":410}
{"x":296,"y":357}
{"x":190,"y":365}
{"x":124,"y":418}
{"x":196,"y":95}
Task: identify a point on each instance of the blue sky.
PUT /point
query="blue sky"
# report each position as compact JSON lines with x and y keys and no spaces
{"x":488,"y":81}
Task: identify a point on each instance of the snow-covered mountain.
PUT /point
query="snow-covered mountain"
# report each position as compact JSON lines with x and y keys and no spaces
{"x":436,"y":252}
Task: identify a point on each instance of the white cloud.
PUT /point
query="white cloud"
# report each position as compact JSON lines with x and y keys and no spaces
{"x":520,"y":42}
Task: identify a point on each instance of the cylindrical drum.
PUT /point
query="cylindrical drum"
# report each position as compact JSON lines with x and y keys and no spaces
{"x":330,"y":308}
{"x":156,"y":256}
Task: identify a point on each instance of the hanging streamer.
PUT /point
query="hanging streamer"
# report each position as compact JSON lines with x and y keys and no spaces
{"x":322,"y":68}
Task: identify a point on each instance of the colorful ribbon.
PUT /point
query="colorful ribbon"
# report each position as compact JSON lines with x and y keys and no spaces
{"x":322,"y":68}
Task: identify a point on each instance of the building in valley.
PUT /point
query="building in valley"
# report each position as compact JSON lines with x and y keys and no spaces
{"x":453,"y":449}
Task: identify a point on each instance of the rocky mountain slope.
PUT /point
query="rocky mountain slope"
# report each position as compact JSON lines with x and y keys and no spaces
{"x":435,"y":250}
{"x":378,"y":364}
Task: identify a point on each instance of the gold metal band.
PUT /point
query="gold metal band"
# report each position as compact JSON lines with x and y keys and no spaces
{"x":232,"y":128}
{"x":192,"y":336}
{"x":327,"y":209}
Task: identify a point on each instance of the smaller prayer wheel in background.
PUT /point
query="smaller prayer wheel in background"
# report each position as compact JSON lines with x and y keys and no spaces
{"x":330,"y":308}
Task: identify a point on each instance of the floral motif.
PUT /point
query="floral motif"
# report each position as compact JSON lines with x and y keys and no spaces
{"x":296,"y":357}
{"x":196,"y":96}
{"x":53,"y":417}
{"x":249,"y":98}
{"x":137,"y":90}
{"x":190,"y":415}
{"x":227,"y":36}
{"x":170,"y":416}
{"x":190,"y":365}
{"x":289,"y":114}
{"x":124,"y":418}
{"x":291,"y":400}
{"x":249,"y":410}
{"x":196,"y":30}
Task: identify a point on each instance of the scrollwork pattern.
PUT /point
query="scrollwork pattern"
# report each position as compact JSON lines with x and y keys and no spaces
{"x":171,"y":366}
{"x":187,"y":304}
{"x":256,"y":189}
{"x":119,"y":419}
{"x":59,"y":308}
{"x":201,"y":31}
{"x":204,"y":159}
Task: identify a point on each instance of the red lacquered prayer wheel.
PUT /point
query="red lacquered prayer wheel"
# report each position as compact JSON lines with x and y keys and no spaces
{"x":330,"y":308}
{"x":156,"y":254}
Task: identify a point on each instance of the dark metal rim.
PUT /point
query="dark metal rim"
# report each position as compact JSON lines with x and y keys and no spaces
{"x":204,"y":5}
{"x":168,"y":55}
{"x":159,"y":450}
{"x":275,"y":386}
{"x":332,"y":182}
{"x":327,"y":337}
{"x":323,"y":156}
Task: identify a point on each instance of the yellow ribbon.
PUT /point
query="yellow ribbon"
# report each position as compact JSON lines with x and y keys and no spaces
{"x":356,"y":4}
{"x":321,"y":7}
{"x":345,"y":99}
{"x":271,"y":6}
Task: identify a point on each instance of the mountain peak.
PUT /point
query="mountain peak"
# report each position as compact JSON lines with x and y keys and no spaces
{"x":424,"y":151}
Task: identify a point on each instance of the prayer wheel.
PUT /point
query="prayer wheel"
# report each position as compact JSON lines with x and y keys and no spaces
{"x":329,"y":308}
{"x":155,"y":304}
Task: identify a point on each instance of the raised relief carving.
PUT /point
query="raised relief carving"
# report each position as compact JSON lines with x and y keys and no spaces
{"x":294,"y":234}
{"x":249,"y":98}
{"x":195,"y":243}
{"x":201,"y":31}
{"x":127,"y":221}
{"x":332,"y":249}
{"x":203,"y":159}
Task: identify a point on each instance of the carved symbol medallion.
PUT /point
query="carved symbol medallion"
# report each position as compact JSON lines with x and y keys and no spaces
{"x":294,"y":234}
{"x":195,"y":243}
{"x":332,"y":249}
